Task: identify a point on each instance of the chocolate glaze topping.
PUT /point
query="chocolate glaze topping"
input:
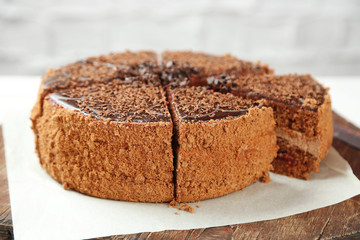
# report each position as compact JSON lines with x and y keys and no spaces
{"x":212,"y":64}
{"x":84,"y":73}
{"x":129,"y":86}
{"x":182,"y":69}
{"x":116,"y":102}
{"x":293,"y":90}
{"x":200,"y":104}
{"x":181,"y":75}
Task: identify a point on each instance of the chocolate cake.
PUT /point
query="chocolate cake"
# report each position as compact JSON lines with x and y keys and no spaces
{"x":195,"y":126}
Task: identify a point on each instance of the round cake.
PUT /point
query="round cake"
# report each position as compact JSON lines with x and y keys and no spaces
{"x":185,"y":127}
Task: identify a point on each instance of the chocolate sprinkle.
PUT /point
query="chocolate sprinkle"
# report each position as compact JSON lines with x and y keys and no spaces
{"x":129,"y":86}
{"x":293,"y":90}
{"x":198,"y":104}
{"x":116,"y":102}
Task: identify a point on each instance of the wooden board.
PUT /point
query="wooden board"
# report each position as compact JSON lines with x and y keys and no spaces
{"x":340,"y":221}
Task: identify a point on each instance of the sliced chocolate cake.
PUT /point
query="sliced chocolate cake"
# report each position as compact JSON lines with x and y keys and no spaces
{"x":105,"y":127}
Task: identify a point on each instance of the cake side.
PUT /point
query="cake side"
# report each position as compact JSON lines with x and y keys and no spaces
{"x":106,"y":159}
{"x":223,"y":143}
{"x":229,"y":157}
{"x":325,"y":127}
{"x":105,"y":130}
{"x":37,"y":110}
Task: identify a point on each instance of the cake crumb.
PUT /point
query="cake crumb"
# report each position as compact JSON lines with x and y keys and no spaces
{"x":265,"y":178}
{"x":173,"y":203}
{"x":182,"y":206}
{"x":186,"y":207}
{"x":176,"y":213}
{"x":197,"y":206}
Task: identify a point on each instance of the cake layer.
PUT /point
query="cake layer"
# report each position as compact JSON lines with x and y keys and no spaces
{"x":300,"y":140}
{"x":224,"y":143}
{"x":316,"y":145}
{"x":293,"y":161}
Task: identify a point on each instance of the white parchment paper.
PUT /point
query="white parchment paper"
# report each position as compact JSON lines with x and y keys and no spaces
{"x":42,"y":209}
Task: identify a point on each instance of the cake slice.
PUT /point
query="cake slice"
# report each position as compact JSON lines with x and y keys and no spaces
{"x":109,"y":141}
{"x":223,"y":143}
{"x":302,"y":111}
{"x":125,"y":66}
{"x":102,"y":69}
{"x":103,"y":128}
{"x":181,"y":69}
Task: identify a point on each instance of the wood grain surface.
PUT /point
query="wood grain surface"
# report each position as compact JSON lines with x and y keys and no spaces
{"x":340,"y":221}
{"x":6,"y":230}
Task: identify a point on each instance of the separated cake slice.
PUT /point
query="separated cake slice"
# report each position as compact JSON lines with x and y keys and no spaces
{"x":302,"y":111}
{"x":109,"y":141}
{"x":223,"y":143}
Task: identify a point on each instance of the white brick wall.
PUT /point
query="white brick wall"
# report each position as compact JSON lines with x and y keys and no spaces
{"x":317,"y":36}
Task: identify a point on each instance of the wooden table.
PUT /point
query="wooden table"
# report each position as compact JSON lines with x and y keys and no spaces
{"x":340,"y":221}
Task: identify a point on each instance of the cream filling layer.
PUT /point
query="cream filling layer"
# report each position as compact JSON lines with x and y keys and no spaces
{"x":298,"y":139}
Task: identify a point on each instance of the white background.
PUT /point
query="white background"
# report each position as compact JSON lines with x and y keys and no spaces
{"x":321,"y":37}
